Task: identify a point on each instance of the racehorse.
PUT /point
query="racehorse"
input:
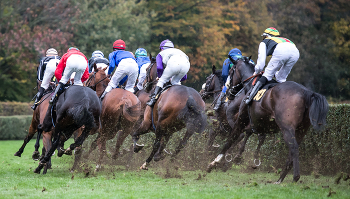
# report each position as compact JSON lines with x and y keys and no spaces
{"x":38,"y":118}
{"x":177,"y":107}
{"x":287,"y":107}
{"x":212,"y":86}
{"x":120,"y":111}
{"x":78,"y":106}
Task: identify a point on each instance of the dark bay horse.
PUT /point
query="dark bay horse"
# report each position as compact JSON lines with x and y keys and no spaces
{"x":120,"y":111}
{"x":78,"y":106}
{"x":288,"y":107}
{"x":176,"y":108}
{"x":213,"y":86}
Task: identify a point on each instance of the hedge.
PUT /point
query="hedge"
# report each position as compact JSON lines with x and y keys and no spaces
{"x":15,"y":108}
{"x":325,"y":152}
{"x":14,"y":127}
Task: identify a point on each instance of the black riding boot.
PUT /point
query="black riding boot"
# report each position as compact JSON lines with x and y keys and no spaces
{"x":136,"y":89}
{"x":39,"y":95}
{"x":153,"y":100}
{"x":59,"y":90}
{"x":219,"y":101}
{"x":256,"y":88}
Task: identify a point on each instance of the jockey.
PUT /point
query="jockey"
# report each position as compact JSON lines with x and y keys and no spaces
{"x":234,"y":54}
{"x":72,"y":61}
{"x":97,"y":58}
{"x":143,"y":62}
{"x":172,"y":64}
{"x":284,"y":55}
{"x":126,"y":66}
{"x":45,"y":72}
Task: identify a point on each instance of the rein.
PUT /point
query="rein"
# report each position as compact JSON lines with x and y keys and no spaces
{"x":89,"y":80}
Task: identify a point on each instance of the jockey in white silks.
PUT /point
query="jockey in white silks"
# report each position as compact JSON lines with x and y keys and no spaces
{"x":143,"y":62}
{"x":98,"y":58}
{"x":172,"y":64}
{"x":45,"y":72}
{"x":284,"y":55}
{"x":126,"y":66}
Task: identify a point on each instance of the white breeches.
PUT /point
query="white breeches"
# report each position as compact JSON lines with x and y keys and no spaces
{"x":282,"y":61}
{"x":177,"y":67}
{"x":127,"y":67}
{"x":101,"y":66}
{"x":142,"y":75}
{"x":49,"y":73}
{"x":75,"y":63}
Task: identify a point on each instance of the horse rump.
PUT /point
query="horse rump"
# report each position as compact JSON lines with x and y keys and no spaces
{"x":132,"y":112}
{"x":194,"y":115}
{"x":82,"y":115}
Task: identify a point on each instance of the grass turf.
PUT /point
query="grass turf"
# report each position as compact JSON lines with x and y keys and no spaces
{"x":17,"y":180}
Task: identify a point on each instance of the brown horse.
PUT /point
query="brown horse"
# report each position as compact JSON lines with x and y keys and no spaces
{"x":78,"y":106}
{"x":176,"y":108}
{"x":120,"y":110}
{"x":287,"y":107}
{"x":38,"y":118}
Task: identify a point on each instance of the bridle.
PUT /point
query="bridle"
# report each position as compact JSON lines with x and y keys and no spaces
{"x":242,"y":83}
{"x":207,"y":86}
{"x":94,"y":77}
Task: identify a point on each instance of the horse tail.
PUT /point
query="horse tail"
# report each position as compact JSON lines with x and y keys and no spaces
{"x":318,"y":109}
{"x":82,"y":115}
{"x":132,"y":112}
{"x":194,"y":115}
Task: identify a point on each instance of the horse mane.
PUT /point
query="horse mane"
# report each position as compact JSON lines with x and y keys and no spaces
{"x":218,"y":74}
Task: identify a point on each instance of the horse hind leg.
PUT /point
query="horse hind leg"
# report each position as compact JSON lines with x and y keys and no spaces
{"x":156,"y":146}
{"x":293,"y":157}
{"x":159,"y":156}
{"x":120,"y":139}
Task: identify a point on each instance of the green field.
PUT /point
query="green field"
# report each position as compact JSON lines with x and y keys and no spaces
{"x":17,"y":180}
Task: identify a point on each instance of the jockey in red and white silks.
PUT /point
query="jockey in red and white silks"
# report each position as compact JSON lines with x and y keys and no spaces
{"x":284,"y":55}
{"x":72,"y":61}
{"x":172,"y":64}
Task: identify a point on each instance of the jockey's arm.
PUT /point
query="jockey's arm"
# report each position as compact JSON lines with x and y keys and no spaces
{"x":160,"y":66}
{"x":261,"y":58}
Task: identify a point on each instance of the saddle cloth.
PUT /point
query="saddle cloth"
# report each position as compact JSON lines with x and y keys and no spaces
{"x":260,"y":94}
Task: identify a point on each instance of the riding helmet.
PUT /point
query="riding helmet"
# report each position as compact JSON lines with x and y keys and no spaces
{"x":271,"y":31}
{"x":141,"y":52}
{"x":97,"y":53}
{"x":51,"y":51}
{"x":119,"y":44}
{"x":72,"y":48}
{"x":166,"y":44}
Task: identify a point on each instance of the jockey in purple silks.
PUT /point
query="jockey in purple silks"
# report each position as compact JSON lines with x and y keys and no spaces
{"x":172,"y":64}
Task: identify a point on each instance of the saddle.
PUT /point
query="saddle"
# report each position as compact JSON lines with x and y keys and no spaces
{"x":260,"y":94}
{"x":166,"y":87}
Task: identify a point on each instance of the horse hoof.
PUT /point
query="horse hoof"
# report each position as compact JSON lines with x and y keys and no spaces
{"x":18,"y":154}
{"x":36,"y":155}
{"x":37,"y":170}
{"x":144,"y":166}
{"x":68,"y":152}
{"x":138,"y":148}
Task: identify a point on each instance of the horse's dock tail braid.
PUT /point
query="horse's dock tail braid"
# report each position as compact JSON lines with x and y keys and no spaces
{"x":132,"y":112}
{"x":318,"y":109}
